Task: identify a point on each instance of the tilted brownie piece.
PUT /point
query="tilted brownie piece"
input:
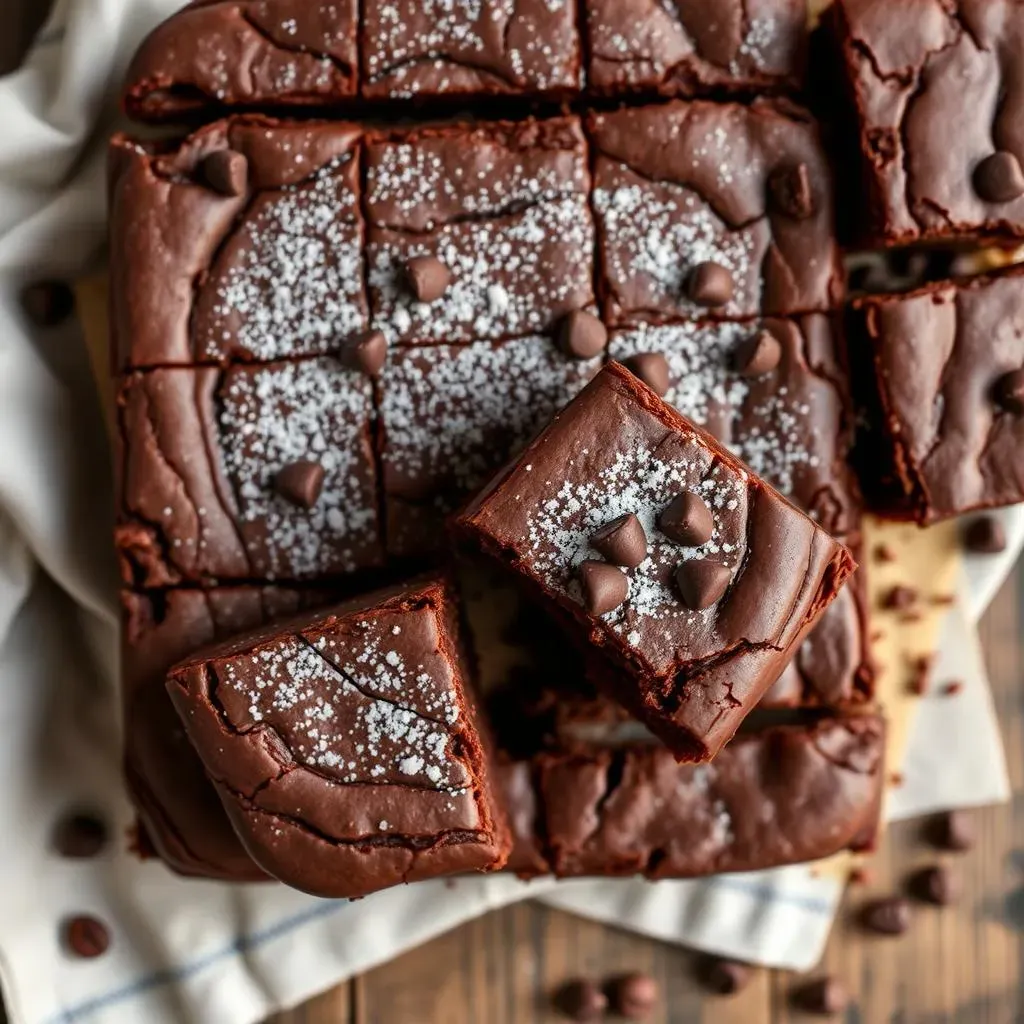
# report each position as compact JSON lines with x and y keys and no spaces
{"x":943,"y":369}
{"x":178,"y":808}
{"x":436,"y":48}
{"x":244,"y":53}
{"x":345,"y":747}
{"x":478,"y":233}
{"x":244,"y":243}
{"x":452,"y":415}
{"x":693,"y":623}
{"x":937,"y":97}
{"x":250,"y":473}
{"x":782,"y":796}
{"x":713,"y":210}
{"x":688,"y":47}
{"x":775,"y":393}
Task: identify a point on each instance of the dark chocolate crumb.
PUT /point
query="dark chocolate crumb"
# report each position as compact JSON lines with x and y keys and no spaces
{"x":953,"y":830}
{"x":725,"y":977}
{"x":884,"y":554}
{"x":48,"y":303}
{"x":80,"y":836}
{"x":581,"y":1000}
{"x":86,"y":936}
{"x":900,"y":598}
{"x":633,"y":996}
{"x":887,"y":916}
{"x":939,"y":885}
{"x":985,"y":536}
{"x":953,"y":688}
{"x":824,"y":997}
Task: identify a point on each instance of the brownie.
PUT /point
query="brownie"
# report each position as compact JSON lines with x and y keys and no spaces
{"x":344,"y":745}
{"x":934,"y":90}
{"x":728,"y":579}
{"x":205,"y":462}
{"x":436,"y":48}
{"x":942,"y":373}
{"x":242,"y":243}
{"x":713,"y":210}
{"x":689,"y":47}
{"x":451,"y":415}
{"x":244,"y":53}
{"x":502,"y":207}
{"x":178,"y":808}
{"x":784,"y":795}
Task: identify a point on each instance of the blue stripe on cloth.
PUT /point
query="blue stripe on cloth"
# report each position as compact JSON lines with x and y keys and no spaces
{"x":171,"y":976}
{"x":767,"y":894}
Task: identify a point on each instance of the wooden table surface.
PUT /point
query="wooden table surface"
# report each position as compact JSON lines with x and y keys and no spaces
{"x":962,"y":964}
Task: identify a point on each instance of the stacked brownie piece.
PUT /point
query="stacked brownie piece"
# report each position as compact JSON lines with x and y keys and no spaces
{"x":330,"y":335}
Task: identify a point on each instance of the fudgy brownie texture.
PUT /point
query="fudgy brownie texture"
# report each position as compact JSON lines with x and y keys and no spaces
{"x":691,"y":632}
{"x":245,"y":53}
{"x":206,"y":461}
{"x":451,"y":415}
{"x":776,"y":393}
{"x":780,"y":796}
{"x":941,"y":370}
{"x":243,"y":243}
{"x":502,"y":207}
{"x":179,"y":813}
{"x":936,"y":95}
{"x":433,"y":48}
{"x":713,"y":210}
{"x":689,"y":47}
{"x":344,"y":746}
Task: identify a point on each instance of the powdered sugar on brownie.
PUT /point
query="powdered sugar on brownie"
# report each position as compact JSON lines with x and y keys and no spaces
{"x":282,"y":413}
{"x":290,"y":280}
{"x":452,"y":414}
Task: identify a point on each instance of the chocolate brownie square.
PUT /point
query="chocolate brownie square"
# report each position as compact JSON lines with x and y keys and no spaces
{"x":244,"y":53}
{"x":774,"y":391}
{"x":689,"y":47}
{"x":250,"y":473}
{"x":344,"y":745}
{"x":478,"y":233}
{"x":709,"y":578}
{"x":178,"y":808}
{"x":436,"y":48}
{"x":452,"y":415}
{"x":783,"y":795}
{"x":713,"y":210}
{"x":942,"y":371}
{"x":935,"y":93}
{"x":242,"y":243}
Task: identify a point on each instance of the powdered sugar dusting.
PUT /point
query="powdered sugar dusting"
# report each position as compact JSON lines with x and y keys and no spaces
{"x":655,"y":234}
{"x":453,"y":414}
{"x":772,"y":433}
{"x":293,"y":285}
{"x":329,"y":724}
{"x":642,"y":481}
{"x":282,"y":413}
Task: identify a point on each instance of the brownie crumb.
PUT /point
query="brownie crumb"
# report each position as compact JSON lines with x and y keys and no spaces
{"x":920,"y":670}
{"x":953,"y":830}
{"x":86,"y":936}
{"x":824,"y":997}
{"x":952,"y":689}
{"x":884,"y":554}
{"x":900,"y":598}
{"x":939,"y":885}
{"x":633,"y":996}
{"x":80,"y":836}
{"x":722,"y":976}
{"x":887,"y":916}
{"x":581,"y":1000}
{"x":985,"y":536}
{"x":48,"y":303}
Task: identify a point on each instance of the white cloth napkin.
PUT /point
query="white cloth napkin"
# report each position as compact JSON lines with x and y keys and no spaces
{"x":200,"y":951}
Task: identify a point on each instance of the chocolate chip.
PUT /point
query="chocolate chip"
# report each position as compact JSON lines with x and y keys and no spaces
{"x":300,"y":482}
{"x":581,"y":335}
{"x":702,"y":582}
{"x":899,"y":598}
{"x":709,"y":284}
{"x":47,"y":303}
{"x":86,"y":936}
{"x":581,"y":1000}
{"x":985,"y":536}
{"x":824,"y":996}
{"x":999,"y":178}
{"x":226,"y":172}
{"x":790,"y":190}
{"x":652,"y":369}
{"x":366,"y":353}
{"x":1009,"y":392}
{"x":633,"y":996}
{"x":79,"y":836}
{"x":938,"y":885}
{"x":686,"y":519}
{"x":622,"y":541}
{"x":884,"y":554}
{"x":726,"y":977}
{"x":757,"y":355}
{"x":604,"y":586}
{"x":953,"y":830}
{"x":428,"y":278}
{"x":887,"y":916}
